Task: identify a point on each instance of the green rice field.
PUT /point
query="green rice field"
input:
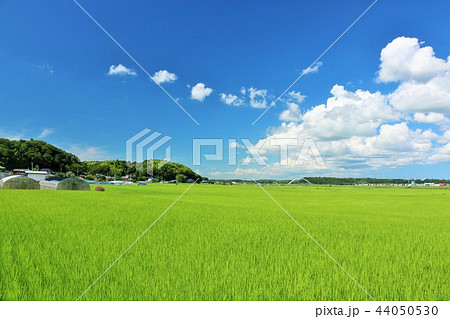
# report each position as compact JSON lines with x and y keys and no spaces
{"x":225,"y":243}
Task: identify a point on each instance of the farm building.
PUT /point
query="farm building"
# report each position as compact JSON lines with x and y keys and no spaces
{"x":72,"y":183}
{"x":37,"y":175}
{"x":18,"y":182}
{"x":18,"y":171}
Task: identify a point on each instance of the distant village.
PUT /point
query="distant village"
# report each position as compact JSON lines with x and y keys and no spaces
{"x":48,"y":179}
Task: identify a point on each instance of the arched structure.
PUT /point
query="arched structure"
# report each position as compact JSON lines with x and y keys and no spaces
{"x":300,"y":179}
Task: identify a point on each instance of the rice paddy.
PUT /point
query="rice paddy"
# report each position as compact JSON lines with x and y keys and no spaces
{"x":225,"y":243}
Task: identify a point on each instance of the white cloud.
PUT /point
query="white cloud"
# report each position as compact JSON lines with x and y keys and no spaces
{"x":15,"y":136}
{"x":403,"y":59}
{"x":393,"y":146}
{"x":88,"y":153}
{"x":231,"y":99}
{"x":425,"y":79}
{"x":431,"y":96}
{"x":431,"y":118}
{"x":164,"y":76}
{"x":296,"y":97}
{"x":258,"y":98}
{"x":358,"y":130}
{"x":292,"y":101}
{"x":354,"y":133}
{"x":313,"y":69}
{"x":442,"y":154}
{"x":199,"y":92}
{"x":46,"y":68}
{"x":292,"y":114}
{"x":348,"y":114}
{"x":121,"y":70}
{"x":46,"y":132}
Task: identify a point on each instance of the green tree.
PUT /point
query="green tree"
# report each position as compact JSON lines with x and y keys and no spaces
{"x":181,"y":178}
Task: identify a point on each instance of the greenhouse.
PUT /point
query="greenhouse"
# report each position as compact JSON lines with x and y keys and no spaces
{"x":72,"y":183}
{"x":18,"y":182}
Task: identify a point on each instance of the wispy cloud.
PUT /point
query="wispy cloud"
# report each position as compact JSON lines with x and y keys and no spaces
{"x":296,"y":97}
{"x":12,"y":135}
{"x":88,"y":153}
{"x":45,"y":68}
{"x":121,"y":70}
{"x":314,"y":68}
{"x":46,"y":132}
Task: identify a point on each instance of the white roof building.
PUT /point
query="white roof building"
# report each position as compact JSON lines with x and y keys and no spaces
{"x":37,"y":175}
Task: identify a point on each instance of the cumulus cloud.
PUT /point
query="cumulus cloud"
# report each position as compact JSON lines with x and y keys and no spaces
{"x":424,"y":79}
{"x":393,"y":146}
{"x":199,"y":92}
{"x":292,"y":114}
{"x":431,"y":96}
{"x":292,"y":101}
{"x":313,"y":69}
{"x":431,"y":118}
{"x":231,"y":99}
{"x":348,"y":114}
{"x":403,"y":59}
{"x":441,"y":155}
{"x":164,"y":76}
{"x":258,"y":98}
{"x":356,"y":130}
{"x":121,"y":70}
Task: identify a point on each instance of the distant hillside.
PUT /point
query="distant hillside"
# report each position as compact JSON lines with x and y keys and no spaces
{"x":39,"y":154}
{"x":23,"y":154}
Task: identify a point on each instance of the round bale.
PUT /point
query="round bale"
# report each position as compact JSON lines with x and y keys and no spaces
{"x":100,"y":189}
{"x":73,"y":184}
{"x":19,"y":182}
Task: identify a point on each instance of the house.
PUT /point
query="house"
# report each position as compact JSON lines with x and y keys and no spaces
{"x":18,"y":171}
{"x":37,"y":175}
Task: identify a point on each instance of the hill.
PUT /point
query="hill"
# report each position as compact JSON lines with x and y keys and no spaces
{"x":39,"y":154}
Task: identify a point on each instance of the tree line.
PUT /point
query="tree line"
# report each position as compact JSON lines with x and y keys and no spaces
{"x":34,"y":154}
{"x":353,"y":181}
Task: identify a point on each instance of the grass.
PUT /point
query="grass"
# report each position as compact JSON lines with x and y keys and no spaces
{"x":225,"y":243}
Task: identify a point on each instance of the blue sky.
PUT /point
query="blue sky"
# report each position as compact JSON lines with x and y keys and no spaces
{"x":54,"y":82}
